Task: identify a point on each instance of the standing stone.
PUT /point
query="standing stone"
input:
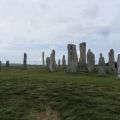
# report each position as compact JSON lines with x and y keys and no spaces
{"x":90,"y":61}
{"x":63,"y":62}
{"x":0,"y":65}
{"x":7,"y":64}
{"x":118,"y":64}
{"x":76,"y":55}
{"x":47,"y":63}
{"x":111,"y":64}
{"x":58,"y":64}
{"x":25,"y":61}
{"x":102,"y":70}
{"x":52,"y":65}
{"x":82,"y":60}
{"x":43,"y":59}
{"x":72,"y":59}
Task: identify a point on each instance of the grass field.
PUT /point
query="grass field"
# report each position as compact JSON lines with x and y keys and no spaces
{"x":36,"y":94}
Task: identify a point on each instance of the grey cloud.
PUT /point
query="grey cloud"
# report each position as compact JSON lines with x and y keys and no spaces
{"x":64,"y":20}
{"x":43,"y":6}
{"x":105,"y":31}
{"x":91,"y":12}
{"x":115,"y":25}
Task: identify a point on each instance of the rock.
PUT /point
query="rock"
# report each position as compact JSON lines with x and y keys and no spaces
{"x":101,"y":70}
{"x":114,"y":63}
{"x":72,"y":59}
{"x":118,"y":63}
{"x":47,"y":63}
{"x":111,"y":64}
{"x":52,"y":65}
{"x":58,"y":64}
{"x":90,"y":61}
{"x":25,"y":61}
{"x":76,"y":56}
{"x":63,"y":62}
{"x":7,"y":64}
{"x":43,"y":60}
{"x":82,"y":60}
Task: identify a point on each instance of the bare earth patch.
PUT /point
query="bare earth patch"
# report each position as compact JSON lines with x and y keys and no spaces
{"x":45,"y":115}
{"x":49,"y":115}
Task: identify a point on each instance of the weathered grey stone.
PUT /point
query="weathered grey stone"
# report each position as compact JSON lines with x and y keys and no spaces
{"x":25,"y":61}
{"x":111,"y":64}
{"x":63,"y":62}
{"x":76,"y":56}
{"x":82,"y":60}
{"x":43,"y":59}
{"x":47,"y":63}
{"x":52,"y":65}
{"x":118,"y":64}
{"x":101,"y":70}
{"x":58,"y":64}
{"x":7,"y":64}
{"x":90,"y":61}
{"x":72,"y":59}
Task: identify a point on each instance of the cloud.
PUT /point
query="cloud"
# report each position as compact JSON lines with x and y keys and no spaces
{"x":105,"y":31}
{"x":115,"y":25}
{"x":91,"y":12}
{"x":33,"y":26}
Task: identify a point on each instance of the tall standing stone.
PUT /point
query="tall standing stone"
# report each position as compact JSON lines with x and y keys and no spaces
{"x":52,"y":65}
{"x":76,"y":55}
{"x":72,"y":59}
{"x":7,"y":64}
{"x":118,"y":64}
{"x":63,"y":62}
{"x":102,"y":70}
{"x":47,"y":63}
{"x":58,"y":63}
{"x":111,"y":64}
{"x":90,"y":61}
{"x":25,"y":61}
{"x":43,"y":59}
{"x":82,"y":60}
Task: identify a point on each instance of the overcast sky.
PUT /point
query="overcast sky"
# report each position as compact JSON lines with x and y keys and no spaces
{"x":34,"y":26}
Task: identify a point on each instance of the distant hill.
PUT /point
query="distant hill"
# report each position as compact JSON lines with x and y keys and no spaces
{"x":13,"y":64}
{"x":19,"y":64}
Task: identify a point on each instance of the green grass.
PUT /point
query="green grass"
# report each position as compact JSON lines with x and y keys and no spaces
{"x":36,"y":94}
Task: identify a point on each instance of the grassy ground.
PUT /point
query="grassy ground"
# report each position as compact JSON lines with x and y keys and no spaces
{"x":36,"y":94}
